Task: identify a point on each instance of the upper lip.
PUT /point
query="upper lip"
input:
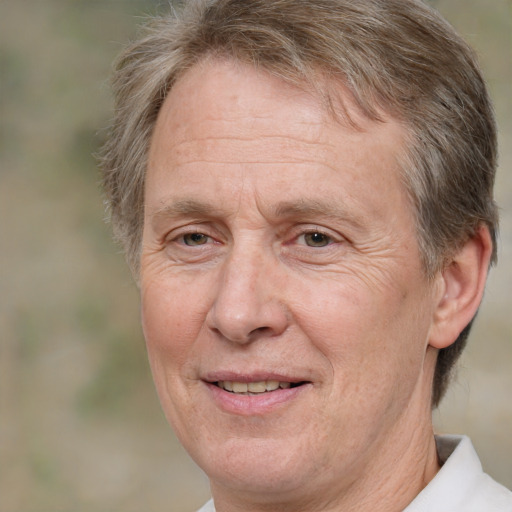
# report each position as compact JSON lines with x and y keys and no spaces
{"x":259,"y":376}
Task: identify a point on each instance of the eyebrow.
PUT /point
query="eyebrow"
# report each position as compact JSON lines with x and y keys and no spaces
{"x":282,"y":209}
{"x":301,"y":208}
{"x":314,"y":208}
{"x":183,"y":207}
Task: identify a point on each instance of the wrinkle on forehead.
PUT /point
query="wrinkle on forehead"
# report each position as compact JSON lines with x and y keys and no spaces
{"x":233,"y":128}
{"x":331,"y":102}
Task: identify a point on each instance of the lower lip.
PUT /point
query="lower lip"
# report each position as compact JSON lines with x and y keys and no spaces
{"x":257,"y":404}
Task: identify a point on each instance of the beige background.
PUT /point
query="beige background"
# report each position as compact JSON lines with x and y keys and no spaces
{"x":80,"y":426}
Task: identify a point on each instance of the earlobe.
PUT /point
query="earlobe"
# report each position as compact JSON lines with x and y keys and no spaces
{"x":461,"y":288}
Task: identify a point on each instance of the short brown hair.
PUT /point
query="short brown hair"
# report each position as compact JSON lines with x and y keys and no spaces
{"x":396,"y":56}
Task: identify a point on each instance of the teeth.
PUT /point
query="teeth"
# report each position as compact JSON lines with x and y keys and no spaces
{"x":253,"y":387}
{"x":256,"y":387}
{"x":272,"y":385}
{"x":239,"y":387}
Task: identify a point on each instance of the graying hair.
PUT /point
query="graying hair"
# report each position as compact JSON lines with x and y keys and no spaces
{"x":395,"y":56}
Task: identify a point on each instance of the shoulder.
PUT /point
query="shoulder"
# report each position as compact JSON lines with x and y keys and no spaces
{"x":494,"y":496}
{"x":461,"y":484}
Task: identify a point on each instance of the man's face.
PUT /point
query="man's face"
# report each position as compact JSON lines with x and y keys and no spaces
{"x":279,"y":251}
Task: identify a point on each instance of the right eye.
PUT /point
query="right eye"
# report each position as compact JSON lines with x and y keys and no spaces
{"x":315,"y":239}
{"x":195,"y":239}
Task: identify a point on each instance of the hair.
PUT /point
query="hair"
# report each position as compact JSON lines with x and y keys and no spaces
{"x":395,"y":56}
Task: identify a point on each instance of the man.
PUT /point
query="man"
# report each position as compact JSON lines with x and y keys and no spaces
{"x":304,"y":192}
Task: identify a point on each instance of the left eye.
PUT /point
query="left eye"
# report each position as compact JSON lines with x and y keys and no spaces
{"x":316,"y":239}
{"x":195,"y":239}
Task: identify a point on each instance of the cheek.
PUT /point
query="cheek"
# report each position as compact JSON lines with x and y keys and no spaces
{"x":371,"y":337}
{"x":170,"y":333}
{"x":167,"y":322}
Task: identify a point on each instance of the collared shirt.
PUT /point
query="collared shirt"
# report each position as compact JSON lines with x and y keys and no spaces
{"x":459,"y":486}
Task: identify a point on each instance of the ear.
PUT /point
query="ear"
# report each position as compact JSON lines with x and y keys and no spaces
{"x":461,"y":288}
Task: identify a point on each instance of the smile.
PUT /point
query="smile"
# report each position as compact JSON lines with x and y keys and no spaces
{"x":255,"y":388}
{"x":246,"y":396}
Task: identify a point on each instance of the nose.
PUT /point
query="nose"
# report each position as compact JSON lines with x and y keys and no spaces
{"x":247,"y":305}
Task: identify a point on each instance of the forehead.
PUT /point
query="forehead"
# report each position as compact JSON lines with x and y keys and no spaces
{"x":233,"y":91}
{"x":224,"y":118}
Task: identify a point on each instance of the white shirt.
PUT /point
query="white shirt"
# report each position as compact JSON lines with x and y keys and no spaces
{"x":459,"y":486}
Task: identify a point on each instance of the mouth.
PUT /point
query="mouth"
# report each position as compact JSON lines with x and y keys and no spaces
{"x":255,"y":388}
{"x":248,"y":395}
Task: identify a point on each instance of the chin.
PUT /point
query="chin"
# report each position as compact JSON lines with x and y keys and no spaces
{"x":256,"y":466}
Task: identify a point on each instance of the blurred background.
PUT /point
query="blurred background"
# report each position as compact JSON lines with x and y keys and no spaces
{"x":80,"y":425}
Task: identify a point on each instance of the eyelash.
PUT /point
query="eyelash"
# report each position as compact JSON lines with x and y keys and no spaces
{"x":182,"y":237}
{"x":191,"y":235}
{"x":329,"y":239}
{"x":206,"y":243}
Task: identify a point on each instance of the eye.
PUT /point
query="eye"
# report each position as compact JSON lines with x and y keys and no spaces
{"x":195,"y":239}
{"x":316,"y":239}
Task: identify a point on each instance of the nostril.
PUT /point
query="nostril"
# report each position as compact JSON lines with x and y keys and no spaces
{"x":260,"y":330}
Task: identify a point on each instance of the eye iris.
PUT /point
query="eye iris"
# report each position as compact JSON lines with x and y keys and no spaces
{"x":316,"y":239}
{"x":195,"y":239}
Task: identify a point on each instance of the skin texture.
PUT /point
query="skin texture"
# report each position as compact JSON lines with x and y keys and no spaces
{"x":279,"y":244}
